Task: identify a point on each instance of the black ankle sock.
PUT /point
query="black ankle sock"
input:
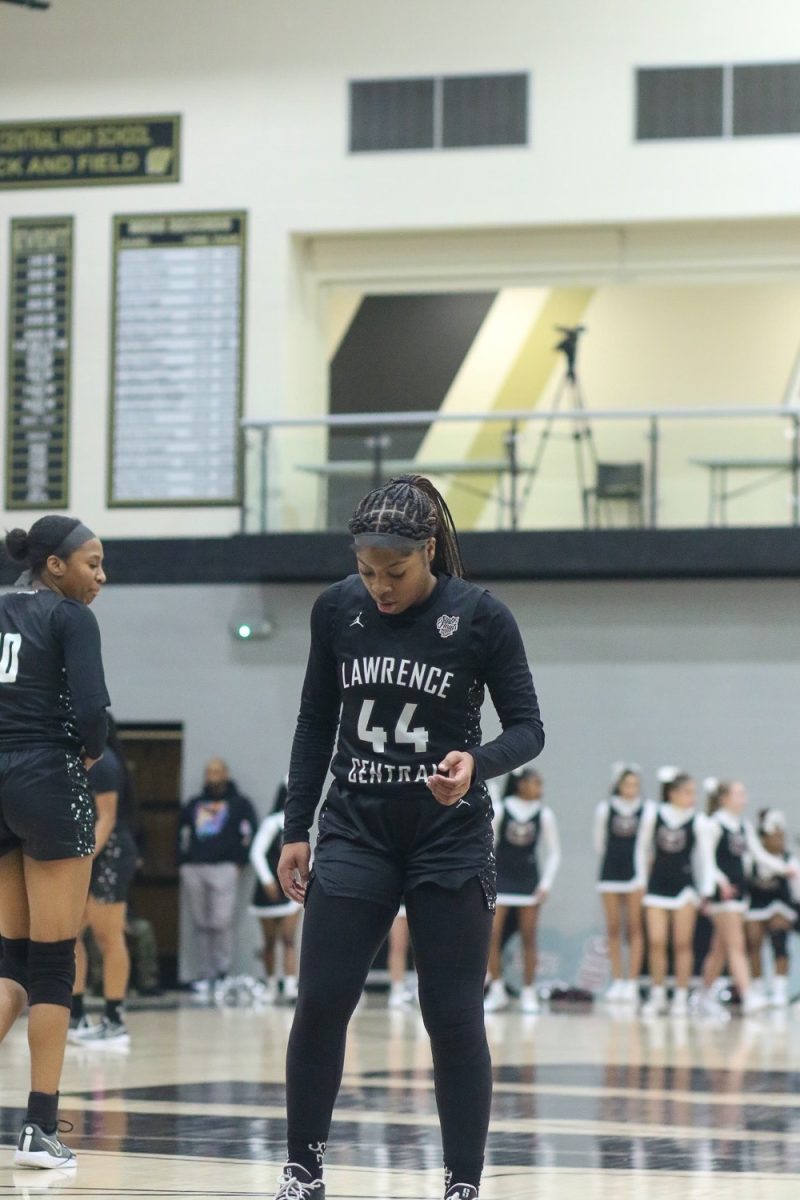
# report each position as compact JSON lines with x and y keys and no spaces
{"x":307,"y":1154}
{"x":77,"y":1006}
{"x":114,"y":1011}
{"x":43,"y":1110}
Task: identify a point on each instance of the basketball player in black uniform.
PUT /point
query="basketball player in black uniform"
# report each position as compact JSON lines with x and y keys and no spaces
{"x":113,"y":870}
{"x":400,"y":656}
{"x":53,"y":703}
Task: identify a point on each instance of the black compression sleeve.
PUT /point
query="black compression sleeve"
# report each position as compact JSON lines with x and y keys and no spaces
{"x":508,"y":678}
{"x":317,"y":722}
{"x":80,"y":637}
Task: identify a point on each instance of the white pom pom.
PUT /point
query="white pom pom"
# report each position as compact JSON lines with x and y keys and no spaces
{"x":773,"y":821}
{"x":667,"y":774}
{"x":618,"y":769}
{"x":710,"y":785}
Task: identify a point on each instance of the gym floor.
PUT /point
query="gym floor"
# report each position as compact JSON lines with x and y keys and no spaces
{"x":587,"y":1106}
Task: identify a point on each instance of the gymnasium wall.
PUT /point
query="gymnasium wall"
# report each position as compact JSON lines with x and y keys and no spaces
{"x":262,"y":88}
{"x":703,"y":675}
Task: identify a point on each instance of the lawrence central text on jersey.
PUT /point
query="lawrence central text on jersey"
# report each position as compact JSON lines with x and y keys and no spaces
{"x":405,"y":690}
{"x":410,"y":689}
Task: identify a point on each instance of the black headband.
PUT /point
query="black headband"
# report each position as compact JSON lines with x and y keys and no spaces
{"x":77,"y":537}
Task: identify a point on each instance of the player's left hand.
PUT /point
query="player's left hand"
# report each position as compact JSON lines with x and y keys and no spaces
{"x":453,"y":778}
{"x":540,"y":895}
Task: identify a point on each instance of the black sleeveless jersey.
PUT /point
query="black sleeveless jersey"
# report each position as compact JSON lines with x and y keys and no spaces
{"x":52,"y":688}
{"x":516,"y":851}
{"x":621,"y":832}
{"x":406,"y":689}
{"x":731,"y":849}
{"x":671,"y":871}
{"x":766,"y":888}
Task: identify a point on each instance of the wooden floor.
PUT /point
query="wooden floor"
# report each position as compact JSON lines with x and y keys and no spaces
{"x":587,"y":1107}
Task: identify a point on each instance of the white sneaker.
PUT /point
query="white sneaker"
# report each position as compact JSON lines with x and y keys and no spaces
{"x":753,"y":1001}
{"x":614,"y":992}
{"x":780,"y":992}
{"x":709,"y":1005}
{"x":680,"y":1003}
{"x":398,"y":996}
{"x":35,"y":1148}
{"x":629,"y":991}
{"x":529,"y":1001}
{"x":103,"y":1034}
{"x":656,"y":1003}
{"x":497,"y":997}
{"x":289,"y":989}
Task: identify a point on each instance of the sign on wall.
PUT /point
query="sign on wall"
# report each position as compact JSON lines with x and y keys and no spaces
{"x":74,"y":153}
{"x":39,"y":320}
{"x":177,"y":359}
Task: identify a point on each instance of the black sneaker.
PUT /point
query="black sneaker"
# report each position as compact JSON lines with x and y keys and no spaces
{"x":36,"y":1148}
{"x":296,"y":1184}
{"x":461,"y":1191}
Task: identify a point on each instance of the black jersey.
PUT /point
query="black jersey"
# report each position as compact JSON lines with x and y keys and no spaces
{"x":108,"y":775}
{"x":622,"y":829}
{"x":766,"y":888}
{"x":729,"y":857}
{"x":404,"y":690}
{"x":516,"y":852}
{"x":671,"y":871}
{"x":52,"y":688}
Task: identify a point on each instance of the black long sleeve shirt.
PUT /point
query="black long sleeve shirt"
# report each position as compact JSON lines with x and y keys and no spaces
{"x":52,"y":686}
{"x":388,"y":683}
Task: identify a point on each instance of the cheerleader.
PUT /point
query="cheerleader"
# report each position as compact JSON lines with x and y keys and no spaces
{"x":773,"y":909}
{"x":520,"y":823}
{"x":670,"y":834}
{"x":728,"y":839}
{"x":622,"y":876}
{"x":276,"y":912}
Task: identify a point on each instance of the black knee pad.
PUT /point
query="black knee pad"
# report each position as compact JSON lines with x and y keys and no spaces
{"x":780,"y":943}
{"x":52,"y":972}
{"x":14,"y":961}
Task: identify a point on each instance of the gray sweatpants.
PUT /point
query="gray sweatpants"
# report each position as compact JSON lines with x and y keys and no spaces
{"x":211,"y":893}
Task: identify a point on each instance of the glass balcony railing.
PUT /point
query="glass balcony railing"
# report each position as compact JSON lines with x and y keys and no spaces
{"x":669,"y":468}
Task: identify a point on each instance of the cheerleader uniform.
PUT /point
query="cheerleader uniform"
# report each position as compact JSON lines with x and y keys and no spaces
{"x":520,"y":826}
{"x":773,"y":895}
{"x":672,"y":833}
{"x":264,"y":854}
{"x":728,"y":840}
{"x":620,"y":850}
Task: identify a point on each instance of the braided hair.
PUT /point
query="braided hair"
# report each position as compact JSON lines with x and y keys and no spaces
{"x":409,"y":506}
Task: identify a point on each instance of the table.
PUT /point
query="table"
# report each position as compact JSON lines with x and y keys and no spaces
{"x":767,"y":468}
{"x":367,"y":468}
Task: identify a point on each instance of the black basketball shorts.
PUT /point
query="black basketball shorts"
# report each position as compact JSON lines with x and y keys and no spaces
{"x":46,"y":804}
{"x":377,"y":848}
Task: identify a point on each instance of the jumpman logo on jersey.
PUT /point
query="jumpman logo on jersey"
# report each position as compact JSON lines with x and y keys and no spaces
{"x":358,"y":621}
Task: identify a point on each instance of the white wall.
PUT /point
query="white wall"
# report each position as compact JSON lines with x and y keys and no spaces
{"x":703,"y":675}
{"x":261,"y":85}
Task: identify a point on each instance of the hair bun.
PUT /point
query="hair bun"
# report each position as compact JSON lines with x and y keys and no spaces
{"x":17,"y":545}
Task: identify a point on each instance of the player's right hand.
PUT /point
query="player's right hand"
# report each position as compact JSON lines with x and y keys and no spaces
{"x":293,"y":870}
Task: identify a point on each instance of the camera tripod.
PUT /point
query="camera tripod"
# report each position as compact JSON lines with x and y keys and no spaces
{"x":568,"y":392}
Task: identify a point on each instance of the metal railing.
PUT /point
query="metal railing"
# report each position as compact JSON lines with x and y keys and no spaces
{"x":275,"y":470}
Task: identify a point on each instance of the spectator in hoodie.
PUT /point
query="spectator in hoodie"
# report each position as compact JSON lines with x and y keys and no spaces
{"x":214,"y":836}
